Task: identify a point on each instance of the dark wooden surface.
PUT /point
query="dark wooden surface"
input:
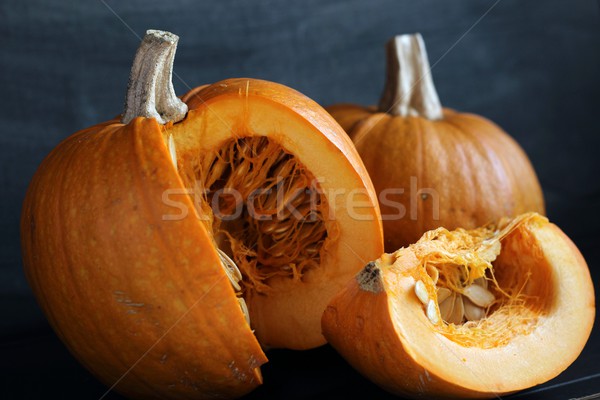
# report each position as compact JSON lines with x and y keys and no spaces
{"x":532,"y":67}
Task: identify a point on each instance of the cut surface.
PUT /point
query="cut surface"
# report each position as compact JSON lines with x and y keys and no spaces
{"x":276,"y":184}
{"x":486,"y":299}
{"x":537,"y":323}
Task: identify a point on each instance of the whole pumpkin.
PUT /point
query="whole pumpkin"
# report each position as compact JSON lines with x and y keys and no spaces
{"x":166,"y":248}
{"x":432,"y":166}
{"x":467,"y":313}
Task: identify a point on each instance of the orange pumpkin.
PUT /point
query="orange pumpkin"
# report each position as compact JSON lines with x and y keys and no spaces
{"x":166,"y":248}
{"x":432,"y":166}
{"x":467,"y":313}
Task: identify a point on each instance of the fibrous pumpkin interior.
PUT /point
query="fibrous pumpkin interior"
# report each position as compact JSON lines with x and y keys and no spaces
{"x":263,"y":207}
{"x":482,"y":287}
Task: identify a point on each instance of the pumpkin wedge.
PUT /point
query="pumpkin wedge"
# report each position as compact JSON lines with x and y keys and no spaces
{"x":433,"y":166}
{"x":166,"y":247}
{"x":467,"y":313}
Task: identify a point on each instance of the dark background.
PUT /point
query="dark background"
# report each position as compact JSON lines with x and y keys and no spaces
{"x":532,"y":67}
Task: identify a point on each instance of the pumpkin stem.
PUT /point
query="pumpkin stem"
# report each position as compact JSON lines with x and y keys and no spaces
{"x":409,"y":89}
{"x":150,"y":90}
{"x":370,"y":279}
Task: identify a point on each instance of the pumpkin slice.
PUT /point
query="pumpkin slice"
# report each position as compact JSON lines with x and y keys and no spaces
{"x":508,"y":307}
{"x":166,"y":248}
{"x":433,"y":166}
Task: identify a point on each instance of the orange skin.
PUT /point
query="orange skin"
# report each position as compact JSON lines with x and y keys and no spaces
{"x":115,"y":281}
{"x":142,"y":302}
{"x":464,"y":165}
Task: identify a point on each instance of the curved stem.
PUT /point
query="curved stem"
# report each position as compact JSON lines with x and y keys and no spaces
{"x":409,"y":88}
{"x":150,"y":90}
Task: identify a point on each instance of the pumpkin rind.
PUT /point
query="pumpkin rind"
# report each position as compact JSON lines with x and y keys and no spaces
{"x":386,"y":335}
{"x":122,"y":288}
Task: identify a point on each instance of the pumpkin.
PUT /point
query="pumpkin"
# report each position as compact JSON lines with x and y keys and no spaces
{"x":467,"y":313}
{"x":168,"y":247}
{"x":432,"y":166}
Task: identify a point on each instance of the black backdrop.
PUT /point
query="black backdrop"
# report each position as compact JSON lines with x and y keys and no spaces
{"x":532,"y":67}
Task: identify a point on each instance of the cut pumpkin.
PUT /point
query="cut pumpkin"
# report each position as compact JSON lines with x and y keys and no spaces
{"x":166,"y":248}
{"x":467,"y":313}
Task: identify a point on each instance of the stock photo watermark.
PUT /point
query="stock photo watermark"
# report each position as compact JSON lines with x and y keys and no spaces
{"x":228,"y":204}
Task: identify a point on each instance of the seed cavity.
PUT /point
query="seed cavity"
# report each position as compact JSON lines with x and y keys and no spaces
{"x":479,"y":285}
{"x":266,"y":212}
{"x":262,"y":206}
{"x":455,"y":307}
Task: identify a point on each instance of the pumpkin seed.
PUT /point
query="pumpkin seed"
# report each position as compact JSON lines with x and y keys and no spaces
{"x":447,"y":306}
{"x":473,"y":312}
{"x":421,"y":292}
{"x":232,"y":271}
{"x":479,"y":295}
{"x":458,"y":311}
{"x":455,"y":307}
{"x":433,"y":273}
{"x":313,"y":249}
{"x":443,"y":294}
{"x":481,"y":282}
{"x":244,"y":308}
{"x":235,"y":276}
{"x":217,"y":171}
{"x":432,"y":312}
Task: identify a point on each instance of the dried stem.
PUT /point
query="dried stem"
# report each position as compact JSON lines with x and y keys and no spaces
{"x":150,"y":91}
{"x":409,"y":89}
{"x":370,"y":279}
